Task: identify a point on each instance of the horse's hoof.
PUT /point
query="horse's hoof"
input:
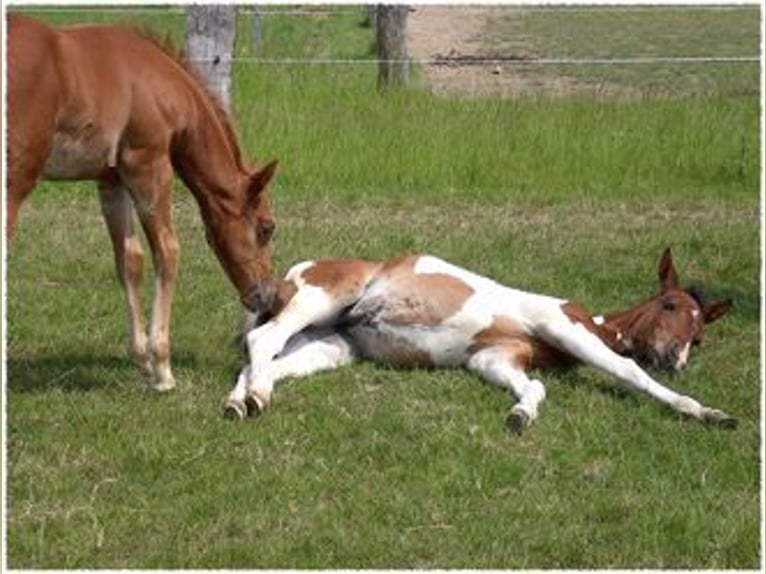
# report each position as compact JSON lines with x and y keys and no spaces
{"x":235,"y":410}
{"x":163,"y":386}
{"x":516,"y":421}
{"x":719,"y":418}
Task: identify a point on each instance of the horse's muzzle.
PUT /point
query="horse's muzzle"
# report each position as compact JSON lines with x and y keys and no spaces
{"x":261,"y":297}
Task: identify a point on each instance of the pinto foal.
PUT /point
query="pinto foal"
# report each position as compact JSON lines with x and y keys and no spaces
{"x":420,"y":311}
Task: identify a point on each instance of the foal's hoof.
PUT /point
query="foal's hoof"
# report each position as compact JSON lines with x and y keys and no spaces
{"x":719,"y":418}
{"x":516,"y":421}
{"x":235,"y":410}
{"x":253,"y":408}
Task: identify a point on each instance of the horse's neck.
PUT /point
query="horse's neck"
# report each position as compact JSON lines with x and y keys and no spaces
{"x":207,"y":159}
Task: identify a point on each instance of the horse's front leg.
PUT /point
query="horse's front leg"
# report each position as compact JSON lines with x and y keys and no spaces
{"x":149,"y":180}
{"x":128,"y":257}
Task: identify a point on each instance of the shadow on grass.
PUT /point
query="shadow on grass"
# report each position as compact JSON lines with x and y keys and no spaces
{"x":81,"y":372}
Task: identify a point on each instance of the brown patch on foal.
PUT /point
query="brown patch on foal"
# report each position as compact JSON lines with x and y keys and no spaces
{"x":525,"y":350}
{"x":340,"y":278}
{"x":421,"y":298}
{"x":286,"y":290}
{"x":607,"y":333}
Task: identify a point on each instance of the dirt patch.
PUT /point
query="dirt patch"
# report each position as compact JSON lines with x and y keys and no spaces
{"x":453,"y":37}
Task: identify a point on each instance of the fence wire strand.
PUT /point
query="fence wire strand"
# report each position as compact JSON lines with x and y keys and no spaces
{"x":438,"y":60}
{"x":453,"y":62}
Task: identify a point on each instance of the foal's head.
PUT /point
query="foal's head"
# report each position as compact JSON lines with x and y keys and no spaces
{"x":662,"y":330}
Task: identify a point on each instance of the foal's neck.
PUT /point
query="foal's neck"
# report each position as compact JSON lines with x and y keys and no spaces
{"x":621,"y":324}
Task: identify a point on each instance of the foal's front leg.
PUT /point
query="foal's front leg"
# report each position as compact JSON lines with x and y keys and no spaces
{"x":559,"y":331}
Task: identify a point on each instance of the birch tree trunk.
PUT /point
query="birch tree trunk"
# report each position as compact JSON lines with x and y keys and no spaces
{"x":210,"y":34}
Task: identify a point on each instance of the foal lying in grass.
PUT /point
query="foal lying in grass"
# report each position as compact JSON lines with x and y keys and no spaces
{"x":420,"y":311}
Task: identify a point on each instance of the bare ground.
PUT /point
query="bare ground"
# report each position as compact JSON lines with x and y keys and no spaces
{"x":454,"y":33}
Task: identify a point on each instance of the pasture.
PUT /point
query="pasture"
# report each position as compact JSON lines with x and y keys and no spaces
{"x":368,"y":467}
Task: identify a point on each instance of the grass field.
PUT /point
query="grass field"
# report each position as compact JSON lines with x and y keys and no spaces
{"x":367,"y":467}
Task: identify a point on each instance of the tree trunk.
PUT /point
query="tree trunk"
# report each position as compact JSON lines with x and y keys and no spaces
{"x":391,"y":26}
{"x":210,"y":34}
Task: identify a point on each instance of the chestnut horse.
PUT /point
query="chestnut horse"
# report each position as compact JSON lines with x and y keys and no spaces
{"x":420,"y":311}
{"x":107,"y":104}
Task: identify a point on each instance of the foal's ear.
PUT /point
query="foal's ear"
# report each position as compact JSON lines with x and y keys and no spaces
{"x":667,"y":272}
{"x":260,"y":179}
{"x":716,"y":310}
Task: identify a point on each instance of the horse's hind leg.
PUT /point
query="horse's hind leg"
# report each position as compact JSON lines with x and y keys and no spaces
{"x":117,"y":210}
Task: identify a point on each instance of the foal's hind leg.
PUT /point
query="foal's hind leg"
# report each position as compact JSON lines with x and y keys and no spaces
{"x":501,"y":364}
{"x":128,"y":256}
{"x":307,"y":352}
{"x":149,"y":179}
{"x":310,"y":305}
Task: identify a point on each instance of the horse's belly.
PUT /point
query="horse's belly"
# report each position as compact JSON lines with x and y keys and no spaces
{"x":79,"y":156}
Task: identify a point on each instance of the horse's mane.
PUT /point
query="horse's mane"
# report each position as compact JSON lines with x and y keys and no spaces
{"x":166,"y":45}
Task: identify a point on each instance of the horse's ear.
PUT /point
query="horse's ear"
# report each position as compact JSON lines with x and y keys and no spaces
{"x":716,"y":310}
{"x":260,"y":179}
{"x":667,"y":272}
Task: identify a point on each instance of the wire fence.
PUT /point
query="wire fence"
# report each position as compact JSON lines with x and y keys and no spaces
{"x":258,"y":14}
{"x":457,"y":61}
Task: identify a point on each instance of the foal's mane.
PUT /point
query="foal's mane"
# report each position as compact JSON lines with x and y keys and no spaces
{"x":166,"y":46}
{"x":697,"y":294}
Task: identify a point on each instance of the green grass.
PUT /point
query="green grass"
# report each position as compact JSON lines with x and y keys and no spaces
{"x":636,"y":32}
{"x":368,"y":467}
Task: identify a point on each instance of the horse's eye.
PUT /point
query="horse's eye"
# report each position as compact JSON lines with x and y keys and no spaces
{"x":266,"y":229}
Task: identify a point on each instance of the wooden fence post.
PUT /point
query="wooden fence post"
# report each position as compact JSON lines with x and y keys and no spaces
{"x":391,"y":40}
{"x":210,"y":35}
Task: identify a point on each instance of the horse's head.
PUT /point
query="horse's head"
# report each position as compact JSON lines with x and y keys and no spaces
{"x":242,"y":236}
{"x":661,"y":330}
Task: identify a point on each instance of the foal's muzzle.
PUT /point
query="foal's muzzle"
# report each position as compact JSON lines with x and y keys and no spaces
{"x":673,"y":360}
{"x":668,"y":359}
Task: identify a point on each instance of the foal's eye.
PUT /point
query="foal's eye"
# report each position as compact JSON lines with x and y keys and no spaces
{"x":668,"y":305}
